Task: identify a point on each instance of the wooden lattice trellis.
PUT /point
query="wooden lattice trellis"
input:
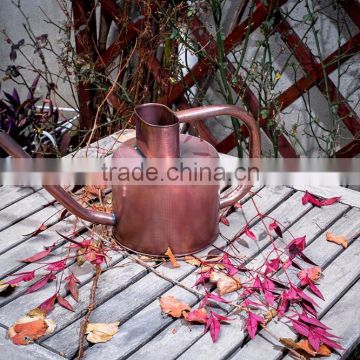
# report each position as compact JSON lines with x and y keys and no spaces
{"x":316,"y":74}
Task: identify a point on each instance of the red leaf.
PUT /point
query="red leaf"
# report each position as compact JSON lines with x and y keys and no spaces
{"x":215,"y":297}
{"x":252,"y":323}
{"x":203,"y":278}
{"x":257,"y":284}
{"x":314,"y":340}
{"x":41,"y":283}
{"x":64,"y":303}
{"x":39,"y":255}
{"x":309,"y":198}
{"x":71,"y":285}
{"x":272,"y":266}
{"x":274,"y":226}
{"x":224,"y":220}
{"x":197,"y":315}
{"x":315,"y":290}
{"x":283,"y":306}
{"x":48,"y":304}
{"x":249,"y":233}
{"x":214,"y":325}
{"x":231,"y":269}
{"x":40,"y":229}
{"x":300,"y":328}
{"x":306,"y":297}
{"x":312,"y":321}
{"x":296,"y":246}
{"x":331,"y":343}
{"x":330,"y":201}
{"x":57,"y":265}
{"x":25,"y":276}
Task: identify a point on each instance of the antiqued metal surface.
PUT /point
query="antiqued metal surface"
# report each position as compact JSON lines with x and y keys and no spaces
{"x":150,"y":218}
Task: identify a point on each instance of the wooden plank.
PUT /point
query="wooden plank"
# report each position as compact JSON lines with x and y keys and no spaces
{"x":25,"y":207}
{"x":9,"y":351}
{"x":338,"y":277}
{"x":344,"y":318}
{"x":348,"y":196}
{"x":14,"y":235}
{"x":140,"y":328}
{"x":11,"y":194}
{"x":203,"y":348}
{"x":267,"y":198}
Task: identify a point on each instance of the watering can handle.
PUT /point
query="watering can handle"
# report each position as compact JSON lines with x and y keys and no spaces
{"x":201,"y":113}
{"x":97,"y":217}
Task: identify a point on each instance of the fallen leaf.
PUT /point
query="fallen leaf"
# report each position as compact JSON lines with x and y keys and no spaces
{"x":40,"y":229}
{"x":337,"y":239}
{"x":24,"y":276}
{"x":269,"y":315}
{"x":172,"y":258}
{"x":38,"y":256}
{"x":71,"y":285}
{"x":249,"y":233}
{"x":197,"y":315}
{"x":313,"y":273}
{"x":4,"y":286}
{"x":224,"y":220}
{"x":41,"y":283}
{"x":31,"y":327}
{"x":172,"y":306}
{"x":225,"y":284}
{"x":64,"y":303}
{"x":252,"y":323}
{"x":309,"y":198}
{"x":192,"y":260}
{"x":101,"y":332}
{"x":304,"y":347}
{"x":48,"y":305}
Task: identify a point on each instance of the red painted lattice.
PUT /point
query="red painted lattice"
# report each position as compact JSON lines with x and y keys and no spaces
{"x":315,"y":73}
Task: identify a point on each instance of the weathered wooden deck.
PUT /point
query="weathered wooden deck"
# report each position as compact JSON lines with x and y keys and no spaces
{"x":130,"y":293}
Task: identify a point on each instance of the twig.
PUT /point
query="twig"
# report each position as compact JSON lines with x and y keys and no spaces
{"x":91,"y":307}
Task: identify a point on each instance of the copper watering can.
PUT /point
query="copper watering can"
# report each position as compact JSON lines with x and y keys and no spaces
{"x":149,"y":219}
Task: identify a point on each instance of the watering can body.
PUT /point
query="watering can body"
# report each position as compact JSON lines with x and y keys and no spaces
{"x":149,"y":219}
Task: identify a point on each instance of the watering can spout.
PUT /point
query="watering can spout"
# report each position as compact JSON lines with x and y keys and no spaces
{"x":97,"y":217}
{"x":157,"y":131}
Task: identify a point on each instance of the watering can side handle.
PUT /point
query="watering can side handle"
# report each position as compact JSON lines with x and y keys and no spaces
{"x":97,"y":217}
{"x":202,"y":113}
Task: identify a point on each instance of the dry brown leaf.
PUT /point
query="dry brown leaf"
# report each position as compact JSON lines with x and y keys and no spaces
{"x":269,"y":315}
{"x":101,"y":332}
{"x":192,"y":260}
{"x":337,"y":239}
{"x":31,"y":327}
{"x":324,"y":350}
{"x":172,"y":306}
{"x":172,"y":259}
{"x":304,"y":347}
{"x":225,"y":284}
{"x":4,"y":286}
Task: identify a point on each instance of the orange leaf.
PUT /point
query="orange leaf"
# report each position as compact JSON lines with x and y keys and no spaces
{"x":172,"y":306}
{"x":312,"y":273}
{"x":337,"y":239}
{"x":29,"y":332}
{"x":172,"y":259}
{"x":305,"y":345}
